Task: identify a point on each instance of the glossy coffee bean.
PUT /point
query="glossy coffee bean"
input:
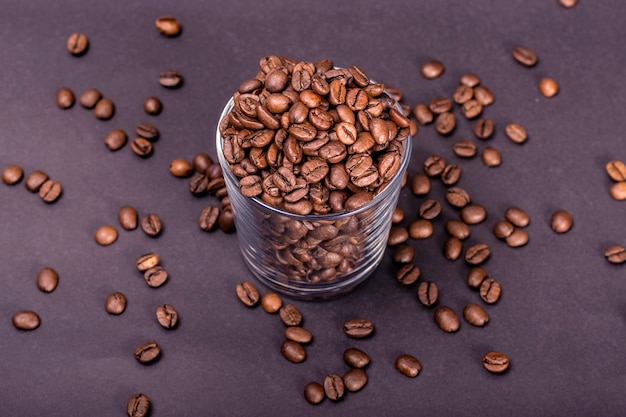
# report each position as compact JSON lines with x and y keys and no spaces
{"x":403,"y":254}
{"x":408,"y":365}
{"x":525,"y":56}
{"x":151,"y":225}
{"x":147,"y":131}
{"x":490,"y":290}
{"x":477,"y":254}
{"x":152,"y":105}
{"x":358,"y":328}
{"x":408,"y":274}
{"x":170,"y":79}
{"x":452,"y":248}
{"x":518,"y":238}
{"x":115,"y":303}
{"x":208,"y":218}
{"x":471,"y":109}
{"x":475,"y":315}
{"x":464,"y":149}
{"x":420,"y":184}
{"x":434,"y":165}
{"x":483,"y":95}
{"x":356,"y":358}
{"x":397,"y":236}
{"x":50,"y":191}
{"x":446,"y":319}
{"x":293,"y":351}
{"x":517,"y":216}
{"x":428,"y":293}
{"x":138,"y":406}
{"x":429,"y":209}
{"x":181,"y":168}
{"x":457,"y":197}
{"x":548,"y":87}
{"x":226,"y":221}
{"x":290,"y":315}
{"x":463,"y":94}
{"x":615,"y":254}
{"x":561,"y":221}
{"x":314,"y":392}
{"x":483,"y":129}
{"x":35,"y":180}
{"x":128,"y":218}
{"x":115,"y":139}
{"x":167,"y":316}
{"x":77,"y":44}
{"x":147,"y":352}
{"x":457,"y":229}
{"x":503,"y":229}
{"x":26,"y":320}
{"x":12,"y":174}
{"x":451,"y":174}
{"x":104,"y":109}
{"x":89,"y":98}
{"x":432,"y":69}
{"x":65,"y":98}
{"x":495,"y":362}
{"x":168,"y":26}
{"x":155,"y":276}
{"x":355,"y":379}
{"x":47,"y":280}
{"x":422,"y":114}
{"x":248,"y":294}
{"x":298,"y":334}
{"x":475,"y":277}
{"x":421,"y":229}
{"x":616,"y":170}
{"x":106,"y":235}
{"x":445,"y":123}
{"x":398,"y":215}
{"x":473,"y":213}
{"x":147,"y":261}
{"x":271,"y":302}
{"x":618,"y":191}
{"x":469,"y":79}
{"x":491,"y":157}
{"x":440,"y":105}
{"x":516,"y":132}
{"x":334,"y":387}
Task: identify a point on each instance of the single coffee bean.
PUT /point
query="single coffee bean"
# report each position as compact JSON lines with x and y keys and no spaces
{"x":517,"y":216}
{"x":434,"y":165}
{"x":170,"y":79}
{"x":47,"y":280}
{"x":615,"y":254}
{"x":429,"y":209}
{"x":251,"y":186}
{"x":168,"y":26}
{"x":147,"y":261}
{"x":432,"y":69}
{"x":464,"y":149}
{"x":473,"y":213}
{"x":356,"y":358}
{"x":26,"y":320}
{"x":77,"y":44}
{"x":428,"y":293}
{"x":208,"y":218}
{"x":89,"y":98}
{"x":213,"y":171}
{"x":420,"y":184}
{"x":490,"y":290}
{"x":525,"y":56}
{"x":127,"y":217}
{"x":106,"y":235}
{"x":568,"y":3}
{"x":618,"y":191}
{"x":147,"y":352}
{"x":50,"y":191}
{"x":548,"y":87}
{"x":271,"y":302}
{"x":457,"y":197}
{"x":397,"y":236}
{"x":452,"y":248}
{"x":616,"y":170}
{"x":445,"y":123}
{"x":471,"y":109}
{"x":477,"y":254}
{"x":226,"y":221}
{"x":147,"y":131}
{"x":358,"y":328}
{"x":115,"y":139}
{"x":475,"y":277}
{"x":457,"y":229}
{"x":483,"y":95}
{"x":422,"y":114}
{"x":440,"y":105}
{"x":495,"y":362}
{"x":151,"y":225}
{"x":561,"y":221}
{"x":198,"y":184}
{"x":475,"y":315}
{"x":298,"y":334}
{"x":333,"y":387}
{"x":408,"y":274}
{"x":408,"y":365}
{"x":115,"y":303}
{"x":152,"y":106}
{"x":516,"y":132}
{"x":248,"y":294}
{"x":65,"y":98}
{"x":293,"y":351}
{"x":503,"y":229}
{"x":290,"y":315}
{"x":463,"y":94}
{"x":34,"y":180}
{"x":138,"y":406}
{"x":398,"y":215}
{"x":12,"y":174}
{"x":421,"y":229}
{"x":518,"y":238}
{"x":155,"y":276}
{"x":403,"y":254}
{"x":491,"y":157}
{"x":354,"y":379}
{"x":181,"y":168}
{"x":483,"y":129}
{"x":314,"y":392}
{"x":469,"y":79}
{"x":451,"y":174}
{"x":141,"y":147}
{"x":104,"y":109}
{"x":447,"y":319}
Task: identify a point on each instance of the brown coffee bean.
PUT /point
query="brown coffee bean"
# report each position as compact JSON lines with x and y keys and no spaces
{"x":518,"y":238}
{"x":65,"y":98}
{"x":26,"y":320}
{"x":420,"y":184}
{"x":141,"y":147}
{"x":355,"y":379}
{"x":152,"y":106}
{"x":290,"y":315}
{"x":457,"y":229}
{"x":147,"y":131}
{"x":495,"y":362}
{"x":503,"y":229}
{"x":429,"y":209}
{"x":475,"y":315}
{"x":249,"y":295}
{"x":475,"y":277}
{"x":490,"y":290}
{"x":151,"y":225}
{"x":397,"y":236}
{"x":403,"y":254}
{"x":408,"y":365}
{"x":433,"y":166}
{"x":561,"y":221}
{"x":271,"y":302}
{"x":471,"y":109}
{"x":457,"y":197}
{"x":469,"y":79}
{"x":483,"y":129}
{"x":452,"y":248}
{"x":447,"y":319}
{"x":106,"y":235}
{"x":155,"y":276}
{"x":138,"y":406}
{"x":517,"y":216}
{"x":208,"y":218}
{"x":47,"y":280}
{"x":516,"y":132}
{"x":548,"y":87}
{"x":251,"y":186}
{"x":464,"y":149}
{"x":616,"y":170}
{"x":167,"y":316}
{"x":127,"y":217}
{"x":147,"y":261}
{"x":12,"y":174}
{"x":451,"y":174}
{"x":115,"y":303}
{"x":168,"y":26}
{"x":171,"y":79}
{"x":356,"y":358}
{"x":298,"y":334}
{"x":293,"y":351}
{"x":147,"y":352}
{"x":77,"y":44}
{"x":615,"y":254}
{"x":477,"y":254}
{"x":398,"y":215}
{"x":334,"y":387}
{"x":358,"y":328}
{"x":440,"y":105}
{"x":432,"y":69}
{"x":445,"y":123}
{"x":421,"y":229}
{"x":314,"y":393}
{"x":491,"y":157}
{"x":618,"y":191}
{"x":408,"y":274}
{"x":104,"y":109}
{"x":525,"y":56}
{"x":428,"y":293}
{"x":89,"y":98}
{"x":115,"y":139}
{"x":181,"y":168}
{"x":473,"y":213}
{"x":422,"y":114}
{"x":483,"y":95}
{"x":50,"y":191}
{"x":463,"y":94}
{"x":226,"y":221}
{"x":33,"y":181}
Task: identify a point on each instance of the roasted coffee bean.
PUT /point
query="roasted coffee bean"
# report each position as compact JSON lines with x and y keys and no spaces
{"x":516,"y":132}
{"x":65,"y":98}
{"x":147,"y":352}
{"x":115,"y":303}
{"x":104,"y":109}
{"x":471,"y":109}
{"x":147,"y":131}
{"x":491,"y":157}
{"x":421,"y":229}
{"x":561,"y":221}
{"x":356,"y":358}
{"x":115,"y":139}
{"x":152,"y":106}
{"x":397,"y":235}
{"x":314,"y":392}
{"x":198,"y":184}
{"x":475,"y":277}
{"x":151,"y":225}
{"x":440,"y":105}
{"x":495,"y":362}
{"x":463,"y":94}
{"x":248,"y":294}
{"x":403,"y":254}
{"x":251,"y":186}
{"x":167,"y":316}
{"x":127,"y":217}
{"x":34,"y":180}
{"x":155,"y":276}
{"x":469,"y":79}
{"x":147,"y":261}
{"x":208,"y":218}
{"x":420,"y":184}
{"x":290,"y":315}
{"x":483,"y":129}
{"x":89,"y":98}
{"x":334,"y":387}
{"x":434,"y":166}
{"x":475,"y":315}
{"x":452,"y":248}
{"x":464,"y":149}
{"x":170,"y":79}
{"x":422,"y":114}
{"x":355,"y":379}
{"x":548,"y":87}
{"x":47,"y":280}
{"x":525,"y":56}
{"x":408,"y":365}
{"x":293,"y":351}
{"x":447,"y":319}
{"x":445,"y":123}
{"x":490,"y":290}
{"x":457,"y":229}
{"x":298,"y":334}
{"x":477,"y":254}
{"x":473,"y":213}
{"x":429,"y":209}
{"x":483,"y":95}
{"x":138,"y":406}
{"x":428,"y":293}
{"x":77,"y":44}
{"x":615,"y":254}
{"x":50,"y":191}
{"x":168,"y":26}
{"x":12,"y":174}
{"x":618,"y":191}
{"x":226,"y":221}
{"x":26,"y":320}
{"x":432,"y":69}
{"x":517,"y":216}
{"x":408,"y":274}
{"x":397,"y":216}
{"x":503,"y":229}
{"x":106,"y":235}
{"x":357,"y":200}
{"x":213,"y":171}
{"x":181,"y":168}
{"x":271,"y":302}
{"x":616,"y":170}
{"x":141,"y":147}
{"x":518,"y":238}
{"x":451,"y":174}
{"x":457,"y":197}
{"x":358,"y":328}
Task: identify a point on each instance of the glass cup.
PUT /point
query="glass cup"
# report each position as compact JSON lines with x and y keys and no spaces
{"x":311,"y":256}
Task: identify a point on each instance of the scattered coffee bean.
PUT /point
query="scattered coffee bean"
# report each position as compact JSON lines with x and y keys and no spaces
{"x":615,"y":254}
{"x":167,"y":316}
{"x":333,"y":387}
{"x":429,"y":209}
{"x":422,"y":114}
{"x":516,"y":132}
{"x":483,"y":129}
{"x":271,"y":302}
{"x":290,"y":315}
{"x":104,"y":109}
{"x":170,"y":79}
{"x":208,"y":218}
{"x":147,"y":261}
{"x":127,"y":217}
{"x":403,"y":254}
{"x":226,"y":221}
{"x":483,"y":95}
{"x":503,"y":229}
{"x":397,"y":236}
{"x":471,"y":109}
{"x":447,"y":319}
{"x":421,"y":229}
{"x":138,"y":406}
{"x":495,"y":362}
{"x":35,"y":180}
{"x":152,"y":106}
{"x":518,"y":238}
{"x":524,"y":56}
{"x":408,"y":365}
{"x":477,"y":254}
{"x":548,"y":87}
{"x":451,"y":174}
{"x":445,"y":123}
{"x":420,"y":184}
{"x":105,"y":235}
{"x":432,"y":69}
{"x":12,"y":174}
{"x":155,"y":276}
{"x":463,"y":94}
{"x":616,"y":170}
{"x":491,"y":157}
{"x":561,"y":221}
{"x":314,"y":392}
{"x":397,"y":216}
{"x":65,"y":98}
{"x":356,"y":358}
{"x":434,"y":166}
{"x":440,"y":105}
{"x":147,"y":131}
{"x":298,"y":334}
{"x":469,"y":79}
{"x":475,"y":277}
{"x":115,"y":303}
{"x":358,"y":328}
{"x":198,"y":184}
{"x":473,"y":213}
{"x":26,"y":320}
{"x":181,"y":168}
{"x":457,"y":197}
{"x":408,"y":274}
{"x":89,"y":98}
{"x":475,"y":315}
{"x":618,"y":191}
{"x":293,"y":351}
{"x":147,"y":352}
{"x":490,"y":290}
{"x":168,"y":26}
{"x":452,"y":248}
{"x":115,"y":139}
{"x":457,"y":229}
{"x":249,"y":295}
{"x":355,"y":379}
{"x":464,"y":149}
{"x":517,"y":216}
{"x":428,"y":293}
{"x":77,"y":44}
{"x":47,"y":280}
{"x":151,"y":225}
{"x":50,"y":191}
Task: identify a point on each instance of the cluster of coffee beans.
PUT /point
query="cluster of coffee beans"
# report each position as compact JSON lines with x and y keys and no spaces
{"x":37,"y":181}
{"x":617,"y":172}
{"x":128,"y":218}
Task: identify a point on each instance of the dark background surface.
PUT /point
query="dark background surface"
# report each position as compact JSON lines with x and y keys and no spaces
{"x":562,"y":315}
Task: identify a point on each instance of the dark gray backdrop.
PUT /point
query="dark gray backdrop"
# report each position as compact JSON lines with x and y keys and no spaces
{"x":562,"y":315}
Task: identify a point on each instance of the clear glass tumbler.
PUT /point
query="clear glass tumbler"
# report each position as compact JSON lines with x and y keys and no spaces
{"x":311,"y":256}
